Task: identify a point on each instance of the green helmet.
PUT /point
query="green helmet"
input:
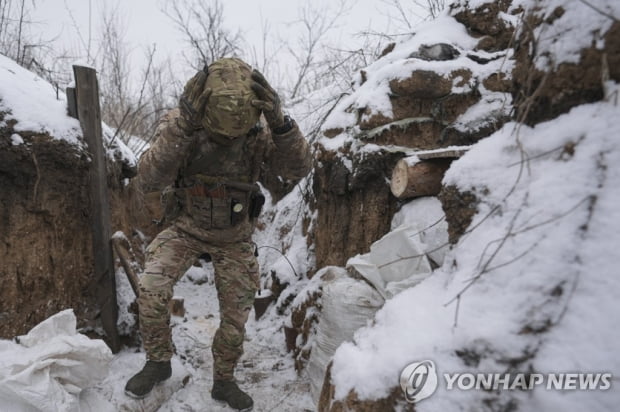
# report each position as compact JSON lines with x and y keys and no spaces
{"x":229,"y":111}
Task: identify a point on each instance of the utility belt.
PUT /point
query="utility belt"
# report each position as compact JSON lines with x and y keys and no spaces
{"x":217,"y":203}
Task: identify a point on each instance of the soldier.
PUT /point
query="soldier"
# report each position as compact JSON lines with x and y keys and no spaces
{"x":208,"y":155}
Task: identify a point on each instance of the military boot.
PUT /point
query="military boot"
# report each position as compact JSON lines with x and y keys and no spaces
{"x":229,"y":392}
{"x":142,"y":383}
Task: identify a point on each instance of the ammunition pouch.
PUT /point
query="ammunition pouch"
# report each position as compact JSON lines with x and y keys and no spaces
{"x":222,"y":205}
{"x":257,"y":200}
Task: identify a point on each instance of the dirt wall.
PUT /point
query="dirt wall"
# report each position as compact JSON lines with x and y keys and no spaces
{"x":45,"y":243}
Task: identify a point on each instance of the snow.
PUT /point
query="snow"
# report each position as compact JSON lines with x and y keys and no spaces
{"x":492,"y":105}
{"x":374,"y":93}
{"x":336,"y":142}
{"x":580,"y":23}
{"x":16,"y":139}
{"x":373,"y":96}
{"x":265,"y":370}
{"x":34,"y":104}
{"x":282,"y":247}
{"x":126,"y":321}
{"x":116,"y":149}
{"x":539,"y":255}
{"x":38,"y":108}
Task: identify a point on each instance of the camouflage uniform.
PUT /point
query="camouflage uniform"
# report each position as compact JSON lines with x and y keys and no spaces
{"x":199,"y":167}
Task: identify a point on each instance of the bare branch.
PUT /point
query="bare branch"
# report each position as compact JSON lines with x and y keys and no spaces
{"x":598,"y":10}
{"x":202,"y":24}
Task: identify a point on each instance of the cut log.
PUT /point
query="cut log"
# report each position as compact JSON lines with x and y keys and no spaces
{"x":418,"y":179}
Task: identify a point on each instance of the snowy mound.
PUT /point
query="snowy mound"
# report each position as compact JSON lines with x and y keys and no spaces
{"x":440,"y":49}
{"x":529,"y":284}
{"x":34,"y":104}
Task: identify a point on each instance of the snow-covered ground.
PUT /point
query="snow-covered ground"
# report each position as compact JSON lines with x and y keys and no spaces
{"x":49,"y":372}
{"x":265,"y":371}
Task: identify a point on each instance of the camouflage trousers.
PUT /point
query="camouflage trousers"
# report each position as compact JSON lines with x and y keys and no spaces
{"x":168,"y":257}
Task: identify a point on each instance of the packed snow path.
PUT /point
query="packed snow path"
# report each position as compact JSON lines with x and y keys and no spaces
{"x":265,"y":371}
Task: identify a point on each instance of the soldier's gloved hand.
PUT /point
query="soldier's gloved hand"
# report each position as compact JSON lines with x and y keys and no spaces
{"x":268,"y":101}
{"x":193,"y":102}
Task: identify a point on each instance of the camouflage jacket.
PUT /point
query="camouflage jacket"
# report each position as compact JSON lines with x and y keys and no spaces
{"x":175,"y":158}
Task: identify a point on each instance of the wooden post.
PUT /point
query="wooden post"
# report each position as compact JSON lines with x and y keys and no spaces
{"x":71,"y":102}
{"x":89,"y":114}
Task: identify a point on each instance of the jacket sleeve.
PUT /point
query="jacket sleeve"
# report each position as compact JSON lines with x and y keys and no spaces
{"x":159,"y":165}
{"x":289,"y":156}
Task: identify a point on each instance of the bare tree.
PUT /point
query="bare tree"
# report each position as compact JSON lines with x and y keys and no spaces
{"x":434,"y":7}
{"x":113,"y":70}
{"x":266,"y":57}
{"x":159,"y":93}
{"x":85,"y":43}
{"x":407,"y":13}
{"x":202,"y":24}
{"x":14,"y":24}
{"x":130,"y":103}
{"x":19,"y":43}
{"x":316,"y":23}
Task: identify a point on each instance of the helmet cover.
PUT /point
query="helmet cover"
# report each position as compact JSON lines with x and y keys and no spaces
{"x":229,"y":110}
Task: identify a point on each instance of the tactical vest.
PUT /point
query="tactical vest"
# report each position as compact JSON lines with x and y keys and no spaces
{"x":233,"y":159}
{"x":216,"y":185}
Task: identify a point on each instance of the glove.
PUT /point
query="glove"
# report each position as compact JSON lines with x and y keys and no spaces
{"x":268,"y":101}
{"x":193,"y":102}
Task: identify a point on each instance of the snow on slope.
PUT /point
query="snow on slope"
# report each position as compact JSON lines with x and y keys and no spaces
{"x":537,"y":276}
{"x":38,"y":108}
{"x":533,"y":284}
{"x":33,"y":103}
{"x":576,"y":25}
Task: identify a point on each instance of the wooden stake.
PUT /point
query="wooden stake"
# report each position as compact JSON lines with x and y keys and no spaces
{"x":89,"y":114}
{"x":122,"y":247}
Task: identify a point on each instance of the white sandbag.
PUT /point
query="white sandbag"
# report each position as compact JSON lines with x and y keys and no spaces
{"x":347,"y":305}
{"x":395,"y":262}
{"x":427,"y":217}
{"x":50,"y":366}
{"x":400,"y":259}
